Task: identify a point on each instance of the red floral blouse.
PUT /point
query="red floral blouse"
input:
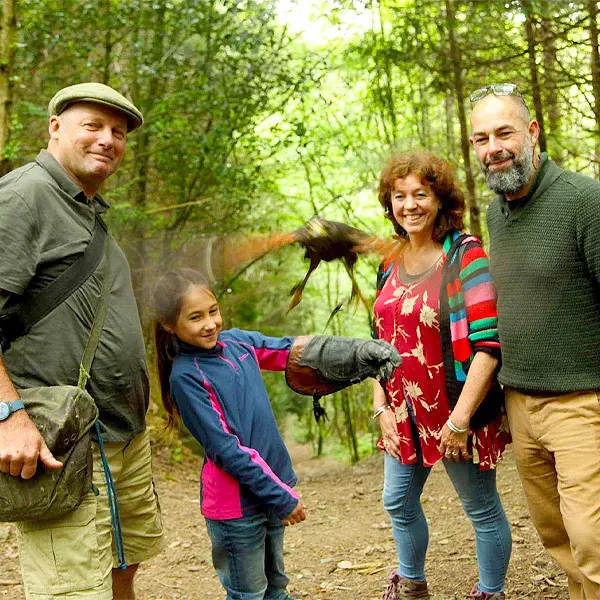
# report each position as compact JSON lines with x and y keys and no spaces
{"x":407,"y":316}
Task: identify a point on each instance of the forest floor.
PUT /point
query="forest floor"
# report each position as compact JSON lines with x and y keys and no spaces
{"x":344,"y":550}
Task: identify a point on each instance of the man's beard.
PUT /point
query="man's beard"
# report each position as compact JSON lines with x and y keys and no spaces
{"x":513,"y":178}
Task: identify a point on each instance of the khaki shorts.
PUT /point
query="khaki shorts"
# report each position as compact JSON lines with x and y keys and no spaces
{"x":73,"y":556}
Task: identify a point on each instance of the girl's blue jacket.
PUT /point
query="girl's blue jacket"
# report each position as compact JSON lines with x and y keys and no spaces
{"x":222,"y":399}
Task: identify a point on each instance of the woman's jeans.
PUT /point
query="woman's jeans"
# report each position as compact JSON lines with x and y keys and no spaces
{"x":477,"y":492}
{"x":248,"y":556}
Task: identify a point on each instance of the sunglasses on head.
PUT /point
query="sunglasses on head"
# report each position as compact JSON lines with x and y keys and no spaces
{"x":498,"y":89}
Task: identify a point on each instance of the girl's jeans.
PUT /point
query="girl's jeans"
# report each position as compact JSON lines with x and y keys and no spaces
{"x":477,"y":492}
{"x":247,"y":554}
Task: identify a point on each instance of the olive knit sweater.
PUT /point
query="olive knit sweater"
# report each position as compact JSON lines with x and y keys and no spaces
{"x":545,"y":262}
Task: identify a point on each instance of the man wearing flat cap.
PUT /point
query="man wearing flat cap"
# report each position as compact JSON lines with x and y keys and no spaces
{"x":48,"y":211}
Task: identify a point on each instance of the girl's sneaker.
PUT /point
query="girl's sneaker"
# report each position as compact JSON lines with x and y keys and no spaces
{"x":404,"y":589}
{"x":479,"y":595}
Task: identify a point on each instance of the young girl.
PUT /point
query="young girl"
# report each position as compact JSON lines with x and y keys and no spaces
{"x":211,"y":380}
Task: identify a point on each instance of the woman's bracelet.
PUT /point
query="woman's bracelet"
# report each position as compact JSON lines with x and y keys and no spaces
{"x":381,"y":410}
{"x":453,"y":427}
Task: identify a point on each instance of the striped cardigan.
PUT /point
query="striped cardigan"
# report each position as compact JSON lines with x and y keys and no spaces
{"x":468,"y":315}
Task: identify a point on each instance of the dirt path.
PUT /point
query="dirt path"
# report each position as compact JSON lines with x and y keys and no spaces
{"x":344,"y":550}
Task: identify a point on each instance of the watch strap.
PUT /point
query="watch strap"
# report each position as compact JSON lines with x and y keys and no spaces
{"x":15,"y":405}
{"x":8,"y":407}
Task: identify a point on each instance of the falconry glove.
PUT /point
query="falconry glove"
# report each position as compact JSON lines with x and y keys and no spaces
{"x":320,"y":365}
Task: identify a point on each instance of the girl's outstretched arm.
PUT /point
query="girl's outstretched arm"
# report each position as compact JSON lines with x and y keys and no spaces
{"x":271,"y":353}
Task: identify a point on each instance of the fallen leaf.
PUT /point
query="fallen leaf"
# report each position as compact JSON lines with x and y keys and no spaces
{"x":347,"y":565}
{"x":378,"y":570}
{"x":382,"y":525}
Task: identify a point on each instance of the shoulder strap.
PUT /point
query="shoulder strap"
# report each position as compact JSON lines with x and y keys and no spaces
{"x":454,"y":250}
{"x":36,"y":307}
{"x":383,"y":273}
{"x":453,"y":370}
{"x":97,"y":325}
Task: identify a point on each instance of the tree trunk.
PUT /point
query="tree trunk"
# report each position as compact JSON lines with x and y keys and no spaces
{"x":108,"y":45}
{"x":347,"y":428}
{"x":533,"y":71}
{"x":449,"y":112}
{"x":384,"y":83}
{"x":151,"y":32}
{"x":550,"y":78}
{"x":425,"y":120}
{"x":8,"y":26}
{"x":593,"y":14}
{"x":351,"y":440}
{"x":457,"y":80}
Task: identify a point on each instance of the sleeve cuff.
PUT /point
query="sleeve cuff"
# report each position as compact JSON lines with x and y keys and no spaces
{"x":495,"y":352}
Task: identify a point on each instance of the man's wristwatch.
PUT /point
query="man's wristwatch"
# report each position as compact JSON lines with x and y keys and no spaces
{"x":8,"y":408}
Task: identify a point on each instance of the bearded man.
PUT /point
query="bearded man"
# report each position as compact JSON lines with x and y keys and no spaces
{"x":544,"y":229}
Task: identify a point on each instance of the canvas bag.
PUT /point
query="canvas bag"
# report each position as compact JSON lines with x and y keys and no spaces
{"x":64,"y":415}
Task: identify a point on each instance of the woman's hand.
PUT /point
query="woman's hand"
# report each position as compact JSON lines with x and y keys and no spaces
{"x":386,"y":420}
{"x":452,"y":445}
{"x":389,"y":432}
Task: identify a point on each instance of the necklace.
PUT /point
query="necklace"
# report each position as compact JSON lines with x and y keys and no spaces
{"x":421,"y":262}
{"x":410,"y":278}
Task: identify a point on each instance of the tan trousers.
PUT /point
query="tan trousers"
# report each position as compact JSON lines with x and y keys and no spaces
{"x":557,"y":450}
{"x":72,"y":557}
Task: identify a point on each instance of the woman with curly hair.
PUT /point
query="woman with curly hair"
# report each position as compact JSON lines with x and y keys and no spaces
{"x":436,"y":303}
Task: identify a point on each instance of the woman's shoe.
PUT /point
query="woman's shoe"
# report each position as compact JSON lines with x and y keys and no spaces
{"x":479,"y":595}
{"x":401,"y":588}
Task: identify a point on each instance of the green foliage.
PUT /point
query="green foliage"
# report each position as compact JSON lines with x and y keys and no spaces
{"x":177,"y":452}
{"x":255,"y":123}
{"x":366,"y":443}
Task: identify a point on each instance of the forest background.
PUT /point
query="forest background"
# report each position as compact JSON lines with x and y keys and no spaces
{"x":261,"y":114}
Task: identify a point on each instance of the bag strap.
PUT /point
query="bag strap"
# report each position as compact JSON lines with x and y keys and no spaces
{"x":84,"y":375}
{"x":97,"y":325}
{"x":41,"y":304}
{"x":455,"y":248}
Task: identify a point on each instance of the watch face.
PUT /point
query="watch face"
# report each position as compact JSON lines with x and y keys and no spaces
{"x":4,"y":411}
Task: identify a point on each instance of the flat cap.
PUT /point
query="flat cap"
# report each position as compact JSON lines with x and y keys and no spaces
{"x":99,"y":94}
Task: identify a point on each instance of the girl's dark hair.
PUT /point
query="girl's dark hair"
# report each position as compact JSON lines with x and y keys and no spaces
{"x":167,"y":300}
{"x":439,"y":175}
